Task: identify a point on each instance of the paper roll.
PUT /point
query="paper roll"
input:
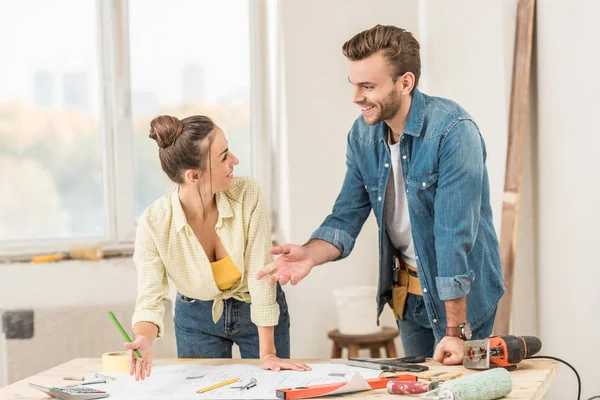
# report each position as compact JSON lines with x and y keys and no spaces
{"x":115,"y":362}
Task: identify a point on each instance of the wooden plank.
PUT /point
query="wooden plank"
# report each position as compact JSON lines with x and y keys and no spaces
{"x":519,"y":107}
{"x":531,"y":380}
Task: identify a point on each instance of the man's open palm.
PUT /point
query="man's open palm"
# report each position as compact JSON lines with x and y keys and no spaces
{"x":292,"y":266}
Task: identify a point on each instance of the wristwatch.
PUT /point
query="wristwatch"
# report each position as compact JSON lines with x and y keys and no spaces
{"x":462,"y":331}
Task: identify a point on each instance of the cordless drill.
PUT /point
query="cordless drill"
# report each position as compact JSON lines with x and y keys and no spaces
{"x":500,"y":351}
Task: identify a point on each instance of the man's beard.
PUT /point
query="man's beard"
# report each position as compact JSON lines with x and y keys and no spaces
{"x":389,"y":108}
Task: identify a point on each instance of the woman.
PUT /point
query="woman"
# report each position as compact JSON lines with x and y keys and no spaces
{"x":210,"y":237}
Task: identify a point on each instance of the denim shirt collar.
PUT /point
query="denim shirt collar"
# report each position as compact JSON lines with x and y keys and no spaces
{"x":414,"y":121}
{"x":416,"y":115}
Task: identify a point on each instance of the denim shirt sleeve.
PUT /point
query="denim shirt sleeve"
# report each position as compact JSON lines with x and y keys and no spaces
{"x":350,"y":211}
{"x":457,"y":207}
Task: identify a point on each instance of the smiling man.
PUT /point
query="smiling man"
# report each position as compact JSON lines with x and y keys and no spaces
{"x":419,"y":163}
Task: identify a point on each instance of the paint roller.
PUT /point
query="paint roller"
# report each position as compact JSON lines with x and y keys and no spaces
{"x":489,"y":385}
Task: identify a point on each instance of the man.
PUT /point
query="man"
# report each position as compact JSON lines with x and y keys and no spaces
{"x":419,"y":163}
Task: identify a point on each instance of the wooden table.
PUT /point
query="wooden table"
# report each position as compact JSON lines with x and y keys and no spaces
{"x":530,"y":381}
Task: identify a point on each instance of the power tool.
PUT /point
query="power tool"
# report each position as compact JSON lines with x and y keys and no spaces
{"x":499,"y":351}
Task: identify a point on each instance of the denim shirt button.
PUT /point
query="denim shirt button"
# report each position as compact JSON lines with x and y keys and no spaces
{"x":387,"y":165}
{"x":379,"y":198}
{"x":435,"y":321}
{"x":424,"y":184}
{"x":424,"y":290}
{"x":404,"y":157}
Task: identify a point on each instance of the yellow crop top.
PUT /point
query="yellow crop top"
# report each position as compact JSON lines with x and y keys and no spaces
{"x":226,"y":273}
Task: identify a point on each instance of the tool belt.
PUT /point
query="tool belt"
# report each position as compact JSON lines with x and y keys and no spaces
{"x":406,"y":280}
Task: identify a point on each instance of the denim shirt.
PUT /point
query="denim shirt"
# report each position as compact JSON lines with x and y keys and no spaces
{"x":446,"y":181}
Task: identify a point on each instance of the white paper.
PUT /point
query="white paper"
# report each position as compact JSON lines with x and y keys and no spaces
{"x":356,"y":384}
{"x":169,"y":382}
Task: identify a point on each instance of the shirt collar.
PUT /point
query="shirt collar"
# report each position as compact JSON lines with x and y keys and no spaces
{"x":416,"y":114}
{"x":224,"y":207}
{"x":179,"y":219}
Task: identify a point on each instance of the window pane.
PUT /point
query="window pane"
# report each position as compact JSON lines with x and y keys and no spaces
{"x":51,"y":147}
{"x":188,"y":57}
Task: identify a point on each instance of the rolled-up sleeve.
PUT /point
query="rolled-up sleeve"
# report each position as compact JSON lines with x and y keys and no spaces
{"x":457,"y":207}
{"x":152,"y":278}
{"x":264,"y":310}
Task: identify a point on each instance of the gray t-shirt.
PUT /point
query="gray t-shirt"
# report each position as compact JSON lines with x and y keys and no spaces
{"x":397,"y":220}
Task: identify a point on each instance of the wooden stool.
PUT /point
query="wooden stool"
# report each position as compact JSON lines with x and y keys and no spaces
{"x":373,"y":341}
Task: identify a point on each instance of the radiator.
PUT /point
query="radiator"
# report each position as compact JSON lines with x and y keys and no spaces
{"x":39,"y":339}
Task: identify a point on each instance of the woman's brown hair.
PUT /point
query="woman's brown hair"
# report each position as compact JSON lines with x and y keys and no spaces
{"x":184,"y":144}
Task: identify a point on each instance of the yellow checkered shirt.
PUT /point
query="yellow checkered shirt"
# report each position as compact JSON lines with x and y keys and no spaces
{"x":166,"y":246}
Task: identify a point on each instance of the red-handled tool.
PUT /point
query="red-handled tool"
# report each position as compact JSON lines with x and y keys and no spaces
{"x":405,"y":387}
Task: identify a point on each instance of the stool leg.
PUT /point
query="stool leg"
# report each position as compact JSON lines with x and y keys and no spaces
{"x":375,"y":351}
{"x":336,"y":351}
{"x":390,"y":348}
{"x":353,"y":350}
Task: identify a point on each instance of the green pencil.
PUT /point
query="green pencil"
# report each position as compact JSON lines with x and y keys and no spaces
{"x":123,"y":333}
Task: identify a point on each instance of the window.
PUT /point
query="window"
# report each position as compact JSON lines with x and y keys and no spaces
{"x":80,"y":81}
{"x":51,"y":173}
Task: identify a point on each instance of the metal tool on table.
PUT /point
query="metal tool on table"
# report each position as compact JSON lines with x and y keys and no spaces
{"x":391,"y":365}
{"x":97,"y":381}
{"x":107,"y":377}
{"x":249,"y":385}
{"x":499,"y":351}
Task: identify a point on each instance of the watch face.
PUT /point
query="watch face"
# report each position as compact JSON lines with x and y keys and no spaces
{"x":467,"y":332}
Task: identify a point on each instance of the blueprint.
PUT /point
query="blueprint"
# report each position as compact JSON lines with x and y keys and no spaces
{"x":181,"y":381}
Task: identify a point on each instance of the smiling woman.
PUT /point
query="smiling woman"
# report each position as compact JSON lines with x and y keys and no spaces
{"x":210,"y":237}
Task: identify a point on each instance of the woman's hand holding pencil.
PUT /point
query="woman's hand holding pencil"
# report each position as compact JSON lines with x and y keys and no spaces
{"x":139,"y":356}
{"x":140,"y":367}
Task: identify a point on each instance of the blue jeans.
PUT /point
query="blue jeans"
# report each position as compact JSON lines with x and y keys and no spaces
{"x":198,"y":337}
{"x":416,"y":332}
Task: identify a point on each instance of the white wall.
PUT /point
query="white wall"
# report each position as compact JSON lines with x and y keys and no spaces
{"x":319,"y":114}
{"x":568,"y":188}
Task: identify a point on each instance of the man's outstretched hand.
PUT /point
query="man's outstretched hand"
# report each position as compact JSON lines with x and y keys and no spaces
{"x":292,"y":266}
